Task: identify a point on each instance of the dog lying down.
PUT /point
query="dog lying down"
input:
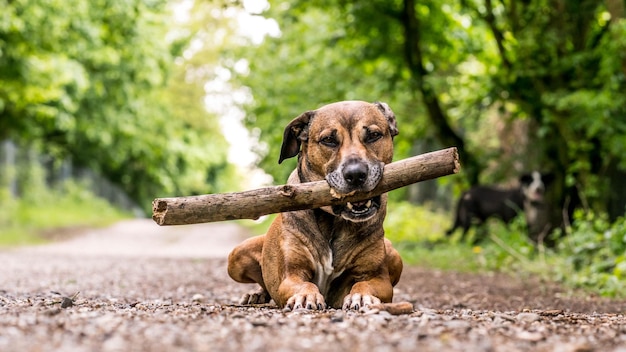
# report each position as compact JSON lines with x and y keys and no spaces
{"x":482,"y":202}
{"x":333,"y":256}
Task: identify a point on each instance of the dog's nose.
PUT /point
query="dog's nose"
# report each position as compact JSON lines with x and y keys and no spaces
{"x":355,"y":173}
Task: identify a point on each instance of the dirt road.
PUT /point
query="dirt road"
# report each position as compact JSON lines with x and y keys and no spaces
{"x":141,"y":287}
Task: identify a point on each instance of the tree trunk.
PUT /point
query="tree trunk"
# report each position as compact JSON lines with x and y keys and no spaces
{"x":439,"y":119}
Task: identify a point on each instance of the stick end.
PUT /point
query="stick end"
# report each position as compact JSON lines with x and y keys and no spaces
{"x":159,"y":209}
{"x":457,"y":162}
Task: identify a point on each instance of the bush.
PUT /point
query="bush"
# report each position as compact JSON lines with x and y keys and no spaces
{"x":591,"y":256}
{"x":419,"y":234}
{"x":407,"y":222}
{"x":594,"y":253}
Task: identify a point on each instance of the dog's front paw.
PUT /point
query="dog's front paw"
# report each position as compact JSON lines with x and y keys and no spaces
{"x":356,"y":301}
{"x":259,"y":296}
{"x":309,"y":301}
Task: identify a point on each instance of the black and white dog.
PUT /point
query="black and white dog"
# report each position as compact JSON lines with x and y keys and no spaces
{"x":482,"y":202}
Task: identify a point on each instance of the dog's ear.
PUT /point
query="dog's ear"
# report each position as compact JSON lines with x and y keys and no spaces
{"x":548,"y":178}
{"x":526,"y":179}
{"x":391,"y":117}
{"x":295,"y":133}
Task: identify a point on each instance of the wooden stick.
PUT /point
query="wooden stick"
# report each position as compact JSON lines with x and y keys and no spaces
{"x":397,"y":308}
{"x":255,"y":203}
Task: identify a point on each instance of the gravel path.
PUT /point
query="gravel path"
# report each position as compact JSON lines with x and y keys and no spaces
{"x":139,"y":287}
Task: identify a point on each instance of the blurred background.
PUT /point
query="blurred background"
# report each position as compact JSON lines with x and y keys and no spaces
{"x":106,"y":105}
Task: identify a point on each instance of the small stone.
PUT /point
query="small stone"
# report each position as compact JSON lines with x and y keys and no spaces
{"x":337,"y":317}
{"x":197,"y":297}
{"x":66,"y":302}
{"x":529,"y":336}
{"x":259,"y":322}
{"x":527,"y":317}
{"x":457,"y":325}
{"x":52,"y":312}
{"x":552,"y":312}
{"x":505,"y":316}
{"x":367,"y":311}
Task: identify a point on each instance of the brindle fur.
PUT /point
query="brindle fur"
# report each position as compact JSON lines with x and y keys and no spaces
{"x":329,"y":256}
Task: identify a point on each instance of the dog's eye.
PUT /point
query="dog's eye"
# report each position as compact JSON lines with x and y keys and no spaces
{"x":373,"y":137}
{"x":329,"y":141}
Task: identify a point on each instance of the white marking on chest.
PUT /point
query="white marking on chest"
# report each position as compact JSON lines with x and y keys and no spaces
{"x":325,"y":273}
{"x":532,"y":215}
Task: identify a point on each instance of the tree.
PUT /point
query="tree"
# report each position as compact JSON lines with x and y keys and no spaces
{"x":96,"y":81}
{"x":516,"y":85}
{"x":562,"y":66}
{"x":312,"y":63}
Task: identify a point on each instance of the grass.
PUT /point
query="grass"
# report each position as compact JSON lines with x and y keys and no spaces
{"x":419,"y":235}
{"x":23,"y":221}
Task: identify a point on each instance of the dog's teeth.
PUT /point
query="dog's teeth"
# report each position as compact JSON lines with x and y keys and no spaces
{"x":368,"y":204}
{"x":349,"y":205}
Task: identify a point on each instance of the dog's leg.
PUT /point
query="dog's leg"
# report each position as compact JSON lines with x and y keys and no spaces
{"x":457,"y":218}
{"x":244,"y":266}
{"x":260,"y":296}
{"x":466,"y":228}
{"x":366,"y":293}
{"x":450,"y":231}
{"x":394,"y":262}
{"x":301,"y":294}
{"x":379,"y":288}
{"x":456,"y":225}
{"x":289,"y":264}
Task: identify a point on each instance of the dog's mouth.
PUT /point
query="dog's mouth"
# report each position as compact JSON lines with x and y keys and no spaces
{"x":358,"y":211}
{"x":535,"y":197}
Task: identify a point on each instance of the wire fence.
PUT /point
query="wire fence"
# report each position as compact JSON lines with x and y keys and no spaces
{"x":23,"y":167}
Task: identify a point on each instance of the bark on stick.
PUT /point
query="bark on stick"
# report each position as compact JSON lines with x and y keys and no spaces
{"x":256,"y":203}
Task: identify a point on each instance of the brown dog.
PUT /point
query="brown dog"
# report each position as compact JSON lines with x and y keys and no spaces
{"x":334,"y":255}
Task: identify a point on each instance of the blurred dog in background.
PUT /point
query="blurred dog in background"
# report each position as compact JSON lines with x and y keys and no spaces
{"x":479,"y":203}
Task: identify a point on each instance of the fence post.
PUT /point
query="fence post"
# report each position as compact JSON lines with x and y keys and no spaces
{"x":8,"y":168}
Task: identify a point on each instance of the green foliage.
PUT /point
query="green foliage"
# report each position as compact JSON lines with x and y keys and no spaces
{"x":419,"y":234}
{"x":93,"y":80}
{"x":528,"y":85}
{"x":595,"y":253}
{"x":408,"y":223}
{"x":317,"y":61}
{"x":562,"y":69}
{"x":41,"y":209}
